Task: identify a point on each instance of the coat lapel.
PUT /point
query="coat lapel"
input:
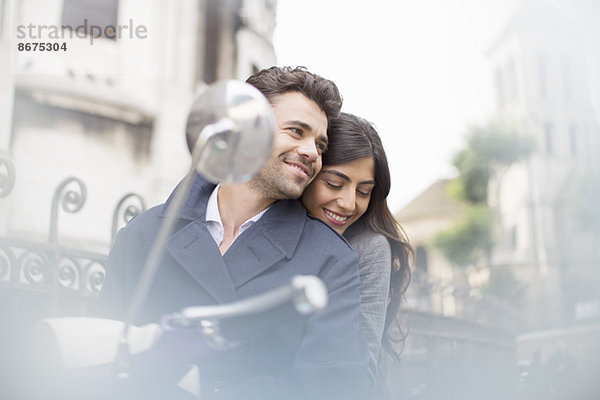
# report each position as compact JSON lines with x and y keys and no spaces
{"x":268,"y":241}
{"x":194,"y":248}
{"x":196,"y":251}
{"x":272,"y":238}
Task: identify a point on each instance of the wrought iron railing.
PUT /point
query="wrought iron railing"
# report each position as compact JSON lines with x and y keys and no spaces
{"x":40,"y":279}
{"x":50,"y":267}
{"x":453,"y":359}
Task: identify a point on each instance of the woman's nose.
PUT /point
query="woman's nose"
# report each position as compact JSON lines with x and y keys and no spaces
{"x":346,"y":201}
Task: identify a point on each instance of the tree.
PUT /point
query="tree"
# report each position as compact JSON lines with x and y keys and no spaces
{"x":488,"y":149}
{"x":469,"y":239}
{"x":469,"y":242}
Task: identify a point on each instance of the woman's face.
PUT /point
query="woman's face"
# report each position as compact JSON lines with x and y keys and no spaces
{"x":340,"y":194}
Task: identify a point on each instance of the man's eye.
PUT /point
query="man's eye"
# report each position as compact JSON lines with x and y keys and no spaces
{"x":296,"y":131}
{"x":321,"y":147}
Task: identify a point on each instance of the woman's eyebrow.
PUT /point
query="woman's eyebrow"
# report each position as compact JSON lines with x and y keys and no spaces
{"x":345,"y":177}
{"x":337,"y":173}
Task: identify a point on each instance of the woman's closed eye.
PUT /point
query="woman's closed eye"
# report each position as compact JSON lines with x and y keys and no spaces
{"x":333,"y":185}
{"x":363,"y":192}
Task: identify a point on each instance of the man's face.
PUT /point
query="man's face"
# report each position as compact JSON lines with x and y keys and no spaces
{"x":300,"y":139}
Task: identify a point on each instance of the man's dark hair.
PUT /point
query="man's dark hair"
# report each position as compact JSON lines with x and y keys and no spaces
{"x":275,"y":81}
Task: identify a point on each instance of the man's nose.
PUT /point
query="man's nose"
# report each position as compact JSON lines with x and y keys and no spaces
{"x":308,"y":149}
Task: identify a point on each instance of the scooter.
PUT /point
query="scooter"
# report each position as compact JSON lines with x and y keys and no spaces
{"x":88,"y":358}
{"x":229,"y":133}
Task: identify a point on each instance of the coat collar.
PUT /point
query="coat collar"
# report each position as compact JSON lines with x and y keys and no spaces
{"x":272,"y":238}
{"x":194,"y":206}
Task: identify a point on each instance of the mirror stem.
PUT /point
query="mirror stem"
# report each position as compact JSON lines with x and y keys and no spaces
{"x":166,"y":229}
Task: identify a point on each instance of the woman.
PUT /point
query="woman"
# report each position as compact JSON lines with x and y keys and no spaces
{"x":349,"y":195}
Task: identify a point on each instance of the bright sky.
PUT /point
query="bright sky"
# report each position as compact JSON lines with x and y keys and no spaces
{"x":416,"y":69}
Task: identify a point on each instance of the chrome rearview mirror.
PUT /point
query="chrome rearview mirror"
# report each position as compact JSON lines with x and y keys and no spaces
{"x":229,"y":132}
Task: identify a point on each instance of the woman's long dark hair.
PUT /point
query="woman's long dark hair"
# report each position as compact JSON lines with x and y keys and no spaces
{"x":352,"y":138}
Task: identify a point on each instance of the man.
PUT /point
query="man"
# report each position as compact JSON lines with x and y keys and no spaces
{"x":237,"y":240}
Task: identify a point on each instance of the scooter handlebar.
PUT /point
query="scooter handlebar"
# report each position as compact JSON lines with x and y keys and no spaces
{"x":225,"y":323}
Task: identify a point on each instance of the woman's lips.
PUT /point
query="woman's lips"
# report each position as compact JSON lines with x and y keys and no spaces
{"x":336,"y":218}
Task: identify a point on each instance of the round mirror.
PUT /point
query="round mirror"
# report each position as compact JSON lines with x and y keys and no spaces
{"x":230,"y":131}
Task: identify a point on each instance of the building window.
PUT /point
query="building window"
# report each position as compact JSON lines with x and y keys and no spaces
{"x":549,"y":138}
{"x":212,"y":37}
{"x":81,"y":14}
{"x":2,"y":16}
{"x":514,"y":237}
{"x":270,"y":4}
{"x":499,"y":87}
{"x":542,"y":77}
{"x":421,"y":262}
{"x":511,"y":78}
{"x":573,"y":140}
{"x":567,"y":80}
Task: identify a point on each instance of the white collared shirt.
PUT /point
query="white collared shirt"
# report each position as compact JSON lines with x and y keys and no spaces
{"x":213,"y":218}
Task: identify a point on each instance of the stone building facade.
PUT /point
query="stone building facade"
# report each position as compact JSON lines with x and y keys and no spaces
{"x":110,"y":107}
{"x":547,"y":80}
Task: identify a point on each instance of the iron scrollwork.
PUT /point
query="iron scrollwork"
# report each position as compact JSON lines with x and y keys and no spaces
{"x":130,"y":205}
{"x":34,"y":266}
{"x":68,"y":273}
{"x":71,"y":195}
{"x":49,"y":267}
{"x":94,"y":277}
{"x":7,"y":176}
{"x":7,"y":260}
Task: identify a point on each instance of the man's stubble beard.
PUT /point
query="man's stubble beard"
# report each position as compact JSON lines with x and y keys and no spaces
{"x":272,"y":184}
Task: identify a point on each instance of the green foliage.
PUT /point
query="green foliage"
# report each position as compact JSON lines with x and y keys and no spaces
{"x":488,"y":148}
{"x":500,"y":143}
{"x":470,"y":239}
{"x":474,"y":176}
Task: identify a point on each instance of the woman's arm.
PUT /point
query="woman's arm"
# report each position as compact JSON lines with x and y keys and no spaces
{"x":374,"y":263}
